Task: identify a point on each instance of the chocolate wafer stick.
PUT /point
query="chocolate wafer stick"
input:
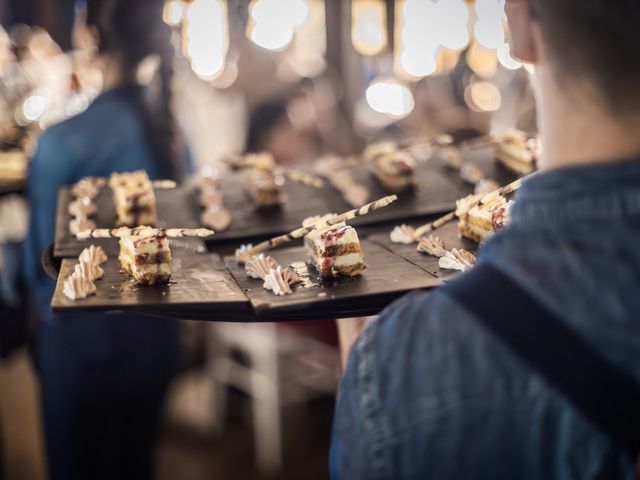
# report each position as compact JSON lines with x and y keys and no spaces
{"x":144,"y":231}
{"x":302,"y":177}
{"x":301,"y":232}
{"x":429,"y":227}
{"x":163,"y":184}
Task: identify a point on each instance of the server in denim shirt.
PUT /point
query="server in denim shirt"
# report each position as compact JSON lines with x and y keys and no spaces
{"x":103,"y":376}
{"x":429,"y":392}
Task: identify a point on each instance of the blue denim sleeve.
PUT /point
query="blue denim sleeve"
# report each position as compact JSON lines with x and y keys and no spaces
{"x":52,"y":167}
{"x":349,"y":442}
{"x":361,"y":431}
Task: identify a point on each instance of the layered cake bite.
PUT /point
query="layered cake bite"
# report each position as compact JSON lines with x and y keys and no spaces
{"x":336,"y":251}
{"x":264,"y":188}
{"x":395,"y":171}
{"x":517,"y":151}
{"x":479,"y":216}
{"x":134,"y":199}
{"x":146,"y":258}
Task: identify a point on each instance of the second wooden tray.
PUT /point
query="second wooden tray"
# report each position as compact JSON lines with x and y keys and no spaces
{"x":386,"y":278}
{"x":176,"y":208}
{"x":449,"y":235}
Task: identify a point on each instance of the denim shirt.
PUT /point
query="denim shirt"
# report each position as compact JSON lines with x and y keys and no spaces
{"x":107,"y":137}
{"x":429,"y":393}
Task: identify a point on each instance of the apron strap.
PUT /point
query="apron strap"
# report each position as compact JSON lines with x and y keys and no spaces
{"x":607,"y":396}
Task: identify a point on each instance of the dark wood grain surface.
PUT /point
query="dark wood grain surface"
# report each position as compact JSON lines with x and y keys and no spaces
{"x":248,"y":222}
{"x":448,"y":233}
{"x":386,"y":278}
{"x":200,"y":286}
{"x":176,"y":208}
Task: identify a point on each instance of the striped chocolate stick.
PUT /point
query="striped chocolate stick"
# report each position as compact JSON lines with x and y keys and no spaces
{"x":301,"y":232}
{"x":303,"y":177}
{"x":144,"y":231}
{"x":429,"y":227}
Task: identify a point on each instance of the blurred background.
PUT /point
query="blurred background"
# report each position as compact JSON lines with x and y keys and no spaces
{"x":298,"y":78}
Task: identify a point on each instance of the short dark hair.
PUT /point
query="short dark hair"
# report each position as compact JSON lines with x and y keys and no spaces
{"x":595,"y":40}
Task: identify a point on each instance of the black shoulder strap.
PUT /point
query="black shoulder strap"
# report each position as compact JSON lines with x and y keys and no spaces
{"x":607,"y":396}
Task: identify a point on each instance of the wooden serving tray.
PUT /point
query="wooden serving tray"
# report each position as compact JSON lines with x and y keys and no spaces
{"x":200,"y":287}
{"x":438,"y":187}
{"x":176,"y":208}
{"x":448,"y":233}
{"x":386,"y":278}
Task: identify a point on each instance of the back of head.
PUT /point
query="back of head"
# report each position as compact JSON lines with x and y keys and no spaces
{"x":595,"y":42}
{"x":131,"y":31}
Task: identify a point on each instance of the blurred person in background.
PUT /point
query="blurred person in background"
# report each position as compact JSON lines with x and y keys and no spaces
{"x":300,"y":125}
{"x":103,"y":377}
{"x":528,"y":366}
{"x":285,"y":127}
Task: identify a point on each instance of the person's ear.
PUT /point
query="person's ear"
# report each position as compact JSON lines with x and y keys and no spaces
{"x":521,"y":31}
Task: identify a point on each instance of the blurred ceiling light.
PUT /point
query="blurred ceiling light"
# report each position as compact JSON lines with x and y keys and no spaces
{"x":417,"y":63}
{"x":490,"y":9}
{"x":271,"y":37}
{"x":310,"y":44}
{"x":483,"y":96}
{"x":446,"y":61}
{"x":416,"y":42}
{"x":505,"y":58}
{"x":368,"y":26}
{"x":390,"y":97}
{"x":228,"y":76}
{"x":293,"y":13}
{"x":173,"y":12}
{"x":207,"y":37}
{"x":489,"y":29}
{"x":481,"y":60}
{"x":427,"y":27}
{"x":453,"y":22}
{"x":273,"y":23}
{"x":489,"y":33}
{"x":208,"y":67}
{"x":34,"y":108}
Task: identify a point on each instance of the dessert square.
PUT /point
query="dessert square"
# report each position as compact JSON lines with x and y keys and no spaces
{"x":134,"y":199}
{"x":336,"y":251}
{"x":146,"y":259}
{"x":395,"y":171}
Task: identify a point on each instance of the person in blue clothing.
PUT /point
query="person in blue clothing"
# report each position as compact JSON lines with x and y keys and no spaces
{"x":528,"y":366}
{"x":103,"y":377}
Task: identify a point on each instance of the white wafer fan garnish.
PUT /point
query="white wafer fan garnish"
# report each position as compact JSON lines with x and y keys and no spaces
{"x":432,"y":245}
{"x":456,"y":259}
{"x":76,"y":287}
{"x":81,"y":283}
{"x":403,"y":234}
{"x":279,"y":280}
{"x":93,"y":254}
{"x":259,"y":266}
